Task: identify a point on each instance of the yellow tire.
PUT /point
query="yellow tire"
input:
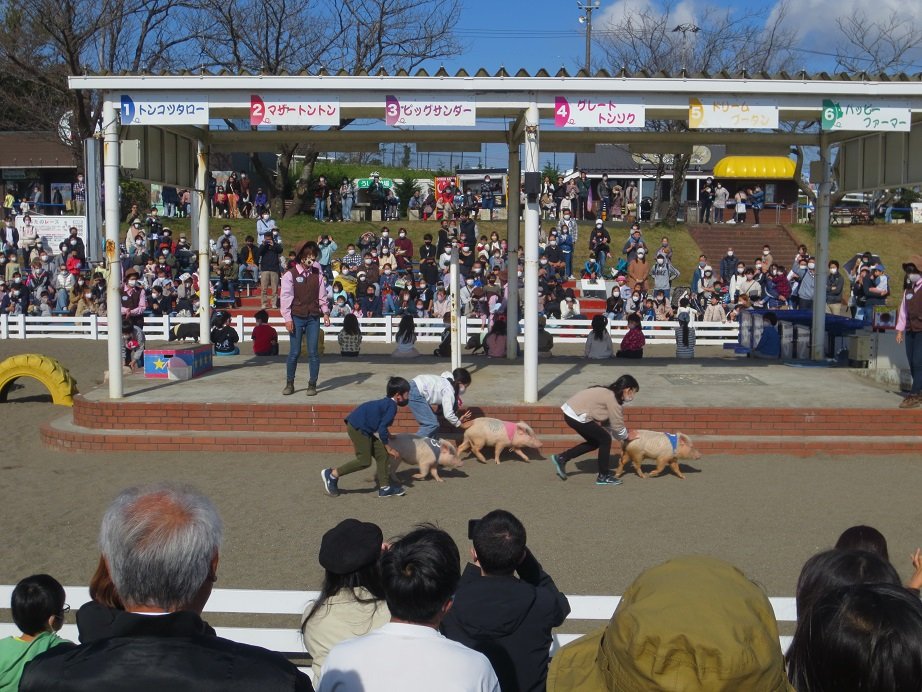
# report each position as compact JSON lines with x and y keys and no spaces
{"x":48,"y":371}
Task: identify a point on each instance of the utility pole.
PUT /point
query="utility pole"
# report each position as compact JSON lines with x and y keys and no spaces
{"x":588,"y":6}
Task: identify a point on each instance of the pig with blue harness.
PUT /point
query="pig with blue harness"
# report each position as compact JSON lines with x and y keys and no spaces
{"x":664,"y":448}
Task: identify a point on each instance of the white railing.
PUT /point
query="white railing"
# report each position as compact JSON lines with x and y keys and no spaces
{"x":374,"y":329}
{"x":596,"y":610}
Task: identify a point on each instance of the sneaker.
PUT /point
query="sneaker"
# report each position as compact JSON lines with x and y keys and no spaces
{"x":559,"y":466}
{"x":912,"y":401}
{"x":607,"y":479}
{"x":330,"y":483}
{"x":311,"y":389}
{"x":391,"y":491}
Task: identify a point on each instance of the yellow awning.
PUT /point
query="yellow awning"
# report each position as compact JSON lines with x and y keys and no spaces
{"x":755,"y":167}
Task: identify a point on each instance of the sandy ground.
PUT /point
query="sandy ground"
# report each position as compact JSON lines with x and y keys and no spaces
{"x":765,"y":514}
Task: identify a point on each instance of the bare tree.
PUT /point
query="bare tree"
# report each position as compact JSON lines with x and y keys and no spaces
{"x":44,"y":41}
{"x":650,"y":40}
{"x":293,"y":37}
{"x":890,"y":43}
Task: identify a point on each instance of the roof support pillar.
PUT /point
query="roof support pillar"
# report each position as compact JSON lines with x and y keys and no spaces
{"x":531,"y":214}
{"x":818,"y":328}
{"x":513,"y":207}
{"x":113,"y":260}
{"x":201,"y":206}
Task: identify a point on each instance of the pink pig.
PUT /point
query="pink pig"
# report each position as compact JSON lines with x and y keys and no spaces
{"x":492,"y":432}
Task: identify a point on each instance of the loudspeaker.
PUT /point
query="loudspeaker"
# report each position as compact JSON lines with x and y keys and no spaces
{"x":532,"y":183}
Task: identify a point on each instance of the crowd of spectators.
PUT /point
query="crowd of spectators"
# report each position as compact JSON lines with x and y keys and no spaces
{"x":401,"y":614}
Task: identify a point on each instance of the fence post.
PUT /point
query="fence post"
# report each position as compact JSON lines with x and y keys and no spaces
{"x":389,"y":331}
{"x":4,"y":326}
{"x":21,"y":323}
{"x":239,"y":326}
{"x":166,"y":327}
{"x":94,"y":327}
{"x":463,"y":324}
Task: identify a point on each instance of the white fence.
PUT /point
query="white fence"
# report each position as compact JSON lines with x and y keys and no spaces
{"x":596,"y":610}
{"x":374,"y":329}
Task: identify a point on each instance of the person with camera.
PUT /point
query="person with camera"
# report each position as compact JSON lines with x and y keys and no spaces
{"x":506,"y":605}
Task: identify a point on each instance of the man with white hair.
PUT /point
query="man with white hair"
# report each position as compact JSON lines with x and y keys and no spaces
{"x":160,"y":545}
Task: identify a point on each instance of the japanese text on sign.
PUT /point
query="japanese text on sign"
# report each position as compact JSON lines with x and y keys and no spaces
{"x":596,"y":112}
{"x":732,"y":114}
{"x":280,"y":110}
{"x":449,"y":111}
{"x":864,"y":116}
{"x":168,"y":110}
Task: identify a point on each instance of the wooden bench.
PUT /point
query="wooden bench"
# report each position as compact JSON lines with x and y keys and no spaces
{"x":594,"y":610}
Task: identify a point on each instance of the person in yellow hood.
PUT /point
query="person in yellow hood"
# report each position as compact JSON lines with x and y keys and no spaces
{"x":693,"y":624}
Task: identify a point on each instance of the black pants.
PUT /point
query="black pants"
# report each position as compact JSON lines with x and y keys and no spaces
{"x":596,"y":437}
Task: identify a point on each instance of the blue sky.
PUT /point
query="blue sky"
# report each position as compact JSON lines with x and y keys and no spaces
{"x":547,"y":34}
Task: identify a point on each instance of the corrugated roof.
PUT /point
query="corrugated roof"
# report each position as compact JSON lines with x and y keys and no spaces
{"x":623,"y":73}
{"x":34,"y":150}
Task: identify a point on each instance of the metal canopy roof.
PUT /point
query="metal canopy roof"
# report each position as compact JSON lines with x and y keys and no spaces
{"x":501,"y":99}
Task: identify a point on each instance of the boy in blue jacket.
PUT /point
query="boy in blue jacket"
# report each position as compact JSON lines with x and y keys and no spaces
{"x":367,"y":427}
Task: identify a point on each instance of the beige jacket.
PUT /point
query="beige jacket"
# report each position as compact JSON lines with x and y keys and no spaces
{"x":341,"y":618}
{"x":599,"y":404}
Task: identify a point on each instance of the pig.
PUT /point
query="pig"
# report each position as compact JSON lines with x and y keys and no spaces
{"x":651,"y":444}
{"x":425,"y":452}
{"x":492,"y":432}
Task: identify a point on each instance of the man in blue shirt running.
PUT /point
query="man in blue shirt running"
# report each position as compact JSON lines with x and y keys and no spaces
{"x":367,"y":427}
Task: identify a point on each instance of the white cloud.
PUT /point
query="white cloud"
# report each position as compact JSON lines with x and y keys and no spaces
{"x":816,"y":24}
{"x":814,"y":21}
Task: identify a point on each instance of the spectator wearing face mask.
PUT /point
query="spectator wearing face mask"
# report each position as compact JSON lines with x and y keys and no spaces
{"x":638,"y":271}
{"x":133,"y":299}
{"x":806,"y":289}
{"x":663,"y":274}
{"x":835,"y":290}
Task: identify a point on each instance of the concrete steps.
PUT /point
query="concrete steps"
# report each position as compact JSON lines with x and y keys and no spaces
{"x":746,"y":242}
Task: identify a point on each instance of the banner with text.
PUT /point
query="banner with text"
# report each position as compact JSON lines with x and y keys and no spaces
{"x":53,"y":230}
{"x":149,"y":109}
{"x":864,"y":116}
{"x":279,"y":109}
{"x":730,"y":113}
{"x":597,"y":112}
{"x":451,"y":112}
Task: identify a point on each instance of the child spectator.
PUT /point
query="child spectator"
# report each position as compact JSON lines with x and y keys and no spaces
{"x":662,"y":307}
{"x":265,"y":337}
{"x":494,"y":344}
{"x":444,"y":348}
{"x":769,"y":345}
{"x":340,"y":307}
{"x":649,"y":311}
{"x":633,"y":342}
{"x":684,"y":337}
{"x":367,"y":427}
{"x":406,"y":338}
{"x":714,"y":312}
{"x":133,"y":342}
{"x":598,"y":342}
{"x":441,"y":305}
{"x":223,"y":336}
{"x":350,"y":337}
{"x":38,"y":610}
